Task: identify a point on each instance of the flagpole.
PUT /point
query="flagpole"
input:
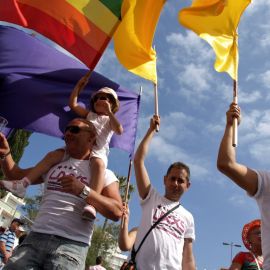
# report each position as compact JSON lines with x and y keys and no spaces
{"x":127,"y":190}
{"x":87,"y":76}
{"x":156,"y":104}
{"x":235,"y":121}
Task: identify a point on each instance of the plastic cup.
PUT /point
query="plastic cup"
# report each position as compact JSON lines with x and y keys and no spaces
{"x":3,"y":123}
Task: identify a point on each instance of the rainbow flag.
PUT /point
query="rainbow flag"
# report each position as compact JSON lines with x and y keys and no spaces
{"x":82,"y":27}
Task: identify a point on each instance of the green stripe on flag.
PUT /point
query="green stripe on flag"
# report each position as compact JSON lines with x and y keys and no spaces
{"x":114,"y":6}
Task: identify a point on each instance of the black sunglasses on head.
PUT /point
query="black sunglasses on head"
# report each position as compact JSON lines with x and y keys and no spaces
{"x":75,"y":129}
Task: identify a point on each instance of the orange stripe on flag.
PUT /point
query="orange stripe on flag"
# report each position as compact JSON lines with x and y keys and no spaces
{"x":67,"y":15}
{"x":68,"y":39}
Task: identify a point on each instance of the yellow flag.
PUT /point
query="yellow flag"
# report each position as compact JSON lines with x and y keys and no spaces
{"x":134,"y":36}
{"x":216,"y":21}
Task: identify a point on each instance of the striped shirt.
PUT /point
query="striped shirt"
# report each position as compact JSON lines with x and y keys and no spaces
{"x":8,"y":238}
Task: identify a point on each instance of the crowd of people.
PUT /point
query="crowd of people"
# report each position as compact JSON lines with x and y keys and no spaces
{"x":164,"y":238}
{"x":10,"y":238}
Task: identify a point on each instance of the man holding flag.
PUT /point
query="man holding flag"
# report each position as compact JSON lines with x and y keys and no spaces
{"x":255,"y":183}
{"x":169,"y":244}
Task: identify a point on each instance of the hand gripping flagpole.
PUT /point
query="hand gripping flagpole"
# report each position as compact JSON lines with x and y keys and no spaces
{"x":235,"y":94}
{"x":156,"y":104}
{"x":235,"y":120}
{"x":127,"y":190}
{"x":87,"y":76}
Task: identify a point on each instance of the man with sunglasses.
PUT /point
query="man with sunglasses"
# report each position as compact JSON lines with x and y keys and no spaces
{"x":60,"y":238}
{"x":169,"y":244}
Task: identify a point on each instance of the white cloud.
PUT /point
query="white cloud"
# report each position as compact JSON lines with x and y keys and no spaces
{"x":265,"y":39}
{"x":260,"y":151}
{"x":243,"y":201}
{"x":257,"y":6}
{"x":215,"y":128}
{"x":167,"y":153}
{"x":164,"y":146}
{"x":195,"y":81}
{"x":183,"y":48}
{"x":255,"y":134}
{"x":174,"y":126}
{"x":250,"y":97}
{"x":250,"y":122}
{"x":110,"y":67}
{"x":265,"y":78}
{"x":263,"y":127}
{"x":259,"y":121}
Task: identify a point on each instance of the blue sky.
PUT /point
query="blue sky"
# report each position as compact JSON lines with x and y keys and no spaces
{"x":193,"y":99}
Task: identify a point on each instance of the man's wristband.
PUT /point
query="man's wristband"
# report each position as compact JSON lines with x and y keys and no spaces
{"x":3,"y":157}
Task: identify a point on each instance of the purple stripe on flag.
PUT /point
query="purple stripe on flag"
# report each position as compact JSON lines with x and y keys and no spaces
{"x":36,"y":81}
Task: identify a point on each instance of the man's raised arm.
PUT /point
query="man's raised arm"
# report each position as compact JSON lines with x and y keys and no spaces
{"x":226,"y":162}
{"x":142,"y":178}
{"x":8,"y":166}
{"x":11,"y":170}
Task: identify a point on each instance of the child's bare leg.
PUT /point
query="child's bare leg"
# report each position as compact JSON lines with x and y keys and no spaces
{"x":18,"y":187}
{"x":97,"y":168}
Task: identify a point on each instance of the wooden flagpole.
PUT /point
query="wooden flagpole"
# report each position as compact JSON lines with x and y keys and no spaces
{"x":128,"y":182}
{"x":156,"y":99}
{"x":87,"y":76}
{"x":235,"y":121}
{"x":127,"y":190}
{"x":156,"y":104}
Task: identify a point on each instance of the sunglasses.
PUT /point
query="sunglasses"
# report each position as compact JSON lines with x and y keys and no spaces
{"x":107,"y":97}
{"x":75,"y":129}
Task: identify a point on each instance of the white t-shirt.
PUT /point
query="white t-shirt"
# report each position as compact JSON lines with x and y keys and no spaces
{"x":104,"y":135}
{"x":60,"y":213}
{"x":262,"y":197}
{"x":163,"y":247}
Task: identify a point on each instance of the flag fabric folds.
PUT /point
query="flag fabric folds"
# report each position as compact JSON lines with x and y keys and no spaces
{"x":84,"y":27}
{"x":133,"y":37}
{"x":35,"y":84}
{"x":216,"y":21}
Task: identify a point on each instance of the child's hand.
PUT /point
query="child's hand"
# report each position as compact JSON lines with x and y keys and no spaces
{"x":155,"y":120}
{"x":103,"y":106}
{"x":83,"y":81}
